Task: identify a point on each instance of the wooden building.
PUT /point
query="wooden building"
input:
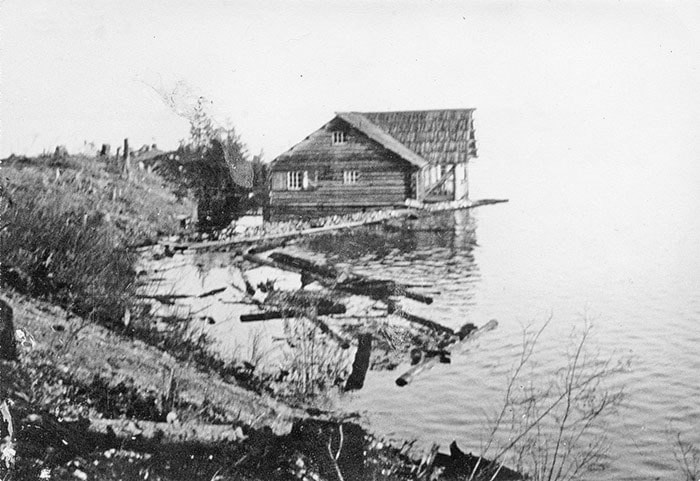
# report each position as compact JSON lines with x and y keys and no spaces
{"x":370,"y":160}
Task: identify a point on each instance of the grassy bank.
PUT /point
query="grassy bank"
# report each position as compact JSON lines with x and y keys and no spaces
{"x":68,"y":226}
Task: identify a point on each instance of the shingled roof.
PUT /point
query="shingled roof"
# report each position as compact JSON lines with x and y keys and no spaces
{"x":374,"y":132}
{"x":419,"y":136}
{"x":436,"y":136}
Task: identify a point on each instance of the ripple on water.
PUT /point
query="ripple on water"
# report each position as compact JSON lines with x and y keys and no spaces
{"x":527,"y":266}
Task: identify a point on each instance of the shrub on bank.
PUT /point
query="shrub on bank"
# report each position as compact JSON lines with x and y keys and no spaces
{"x":68,"y":225}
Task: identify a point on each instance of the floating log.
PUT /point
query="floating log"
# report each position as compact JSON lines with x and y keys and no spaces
{"x":375,"y":288}
{"x":212,"y":292}
{"x":265,"y":261}
{"x":393,"y":309}
{"x":379,"y":289}
{"x":304,"y":265}
{"x":360,"y":364}
{"x":427,"y":363}
{"x":168,"y":299}
{"x":414,"y":295}
{"x":266,"y":316}
{"x":267,"y":246}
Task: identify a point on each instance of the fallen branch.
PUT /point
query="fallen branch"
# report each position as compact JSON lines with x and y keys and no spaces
{"x":266,"y":316}
{"x":212,"y":292}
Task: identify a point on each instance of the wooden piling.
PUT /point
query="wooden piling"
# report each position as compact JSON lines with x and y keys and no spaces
{"x":361,"y":363}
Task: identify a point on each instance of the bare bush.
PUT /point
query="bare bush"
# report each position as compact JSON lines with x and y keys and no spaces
{"x":688,"y":458}
{"x":554,"y":429}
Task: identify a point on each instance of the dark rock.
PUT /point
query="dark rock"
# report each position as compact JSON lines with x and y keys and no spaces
{"x":461,"y":465}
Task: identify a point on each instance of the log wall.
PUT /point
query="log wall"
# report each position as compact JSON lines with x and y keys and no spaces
{"x":383,"y":178}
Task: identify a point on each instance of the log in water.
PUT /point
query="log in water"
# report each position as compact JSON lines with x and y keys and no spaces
{"x":426,"y":364}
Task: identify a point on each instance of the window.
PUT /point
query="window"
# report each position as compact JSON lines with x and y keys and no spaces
{"x":297,"y":180}
{"x":340,"y":137}
{"x":350,"y":177}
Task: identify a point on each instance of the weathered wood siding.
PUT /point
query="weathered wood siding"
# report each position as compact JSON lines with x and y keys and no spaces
{"x":383,"y":178}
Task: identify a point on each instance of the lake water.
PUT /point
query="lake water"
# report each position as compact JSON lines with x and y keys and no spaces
{"x":575,"y":242}
{"x":613,"y":243}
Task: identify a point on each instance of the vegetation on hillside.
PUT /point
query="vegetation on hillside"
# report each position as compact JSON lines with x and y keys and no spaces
{"x":69,"y":226}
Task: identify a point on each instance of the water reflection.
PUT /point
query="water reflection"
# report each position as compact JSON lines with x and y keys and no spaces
{"x":434,"y":252}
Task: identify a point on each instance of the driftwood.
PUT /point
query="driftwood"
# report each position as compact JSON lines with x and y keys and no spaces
{"x":168,"y":299}
{"x":150,"y":430}
{"x":342,"y":342}
{"x":426,"y":364}
{"x":265,"y":261}
{"x":267,"y":246}
{"x":360,"y":364}
{"x":8,"y":349}
{"x":375,"y":288}
{"x":392,"y":308}
{"x":212,"y":292}
{"x":304,"y":265}
{"x":279,"y":314}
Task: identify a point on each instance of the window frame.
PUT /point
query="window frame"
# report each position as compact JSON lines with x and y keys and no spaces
{"x":339,"y":137}
{"x":295,"y":179}
{"x":350,"y":177}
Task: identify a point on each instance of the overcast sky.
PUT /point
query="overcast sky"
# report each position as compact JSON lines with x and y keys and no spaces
{"x":599,"y":79}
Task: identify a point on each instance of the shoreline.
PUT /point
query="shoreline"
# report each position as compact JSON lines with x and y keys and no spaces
{"x":107,"y":381}
{"x":212,"y":416}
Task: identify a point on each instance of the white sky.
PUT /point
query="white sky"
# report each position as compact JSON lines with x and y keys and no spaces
{"x":592,"y":79}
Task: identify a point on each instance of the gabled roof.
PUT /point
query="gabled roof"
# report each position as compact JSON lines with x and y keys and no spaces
{"x":364,"y":125}
{"x":420,"y":136}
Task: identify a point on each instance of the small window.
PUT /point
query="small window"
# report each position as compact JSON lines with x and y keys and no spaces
{"x":297,"y":180}
{"x":350,"y":177}
{"x":340,"y":137}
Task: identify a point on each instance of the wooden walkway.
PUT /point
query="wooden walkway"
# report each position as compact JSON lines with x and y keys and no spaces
{"x":412,"y":207}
